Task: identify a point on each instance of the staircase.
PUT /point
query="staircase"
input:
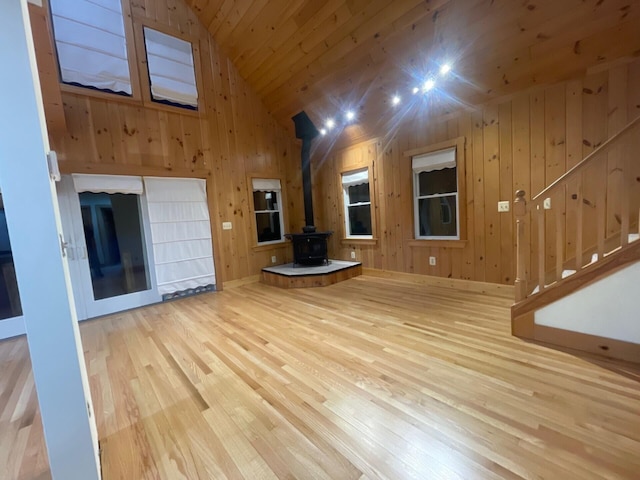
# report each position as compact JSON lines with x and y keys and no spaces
{"x":580,"y":234}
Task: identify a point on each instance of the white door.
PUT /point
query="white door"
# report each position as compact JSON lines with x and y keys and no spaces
{"x":108,"y":246}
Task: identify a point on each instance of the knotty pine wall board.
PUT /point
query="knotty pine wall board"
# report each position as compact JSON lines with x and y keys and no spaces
{"x":523,"y":142}
{"x":233,"y":135}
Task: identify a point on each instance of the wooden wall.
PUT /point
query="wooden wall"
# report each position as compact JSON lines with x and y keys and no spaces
{"x":230,"y":138}
{"x":524,"y":142}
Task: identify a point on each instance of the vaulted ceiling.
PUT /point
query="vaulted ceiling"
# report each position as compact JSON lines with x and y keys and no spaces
{"x":323,"y":55}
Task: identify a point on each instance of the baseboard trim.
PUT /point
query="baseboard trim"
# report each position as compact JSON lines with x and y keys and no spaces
{"x":525,"y":327}
{"x":239,"y":282}
{"x":12,"y":327}
{"x":496,"y":289}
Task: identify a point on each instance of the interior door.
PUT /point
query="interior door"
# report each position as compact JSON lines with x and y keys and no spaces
{"x":108,"y":246}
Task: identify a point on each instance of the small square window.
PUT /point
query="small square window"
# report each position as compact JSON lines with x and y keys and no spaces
{"x":91,"y":44}
{"x":357,"y":204}
{"x":172,"y":75}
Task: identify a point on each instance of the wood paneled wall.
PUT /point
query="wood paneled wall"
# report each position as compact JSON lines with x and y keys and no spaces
{"x":524,"y":142}
{"x":230,"y":138}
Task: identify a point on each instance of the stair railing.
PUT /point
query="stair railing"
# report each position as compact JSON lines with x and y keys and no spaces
{"x":582,"y":216}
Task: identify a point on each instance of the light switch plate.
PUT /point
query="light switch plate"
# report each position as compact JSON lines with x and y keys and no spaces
{"x":226,"y":226}
{"x":547,"y":204}
{"x":273,"y":259}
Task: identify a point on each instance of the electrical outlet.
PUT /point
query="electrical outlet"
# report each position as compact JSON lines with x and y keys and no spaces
{"x":503,"y":206}
{"x":547,"y":204}
{"x":273,"y":259}
{"x":353,"y":255}
{"x":226,"y":226}
{"x":432,"y":261}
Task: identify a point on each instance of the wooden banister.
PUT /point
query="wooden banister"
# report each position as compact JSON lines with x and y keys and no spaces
{"x":522,"y":246}
{"x":589,"y":159}
{"x":579,"y":215}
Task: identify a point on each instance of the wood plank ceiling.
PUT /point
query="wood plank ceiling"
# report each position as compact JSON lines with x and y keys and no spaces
{"x":321,"y":56}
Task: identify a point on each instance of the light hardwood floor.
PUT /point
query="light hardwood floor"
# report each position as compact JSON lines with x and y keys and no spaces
{"x":367,"y":379}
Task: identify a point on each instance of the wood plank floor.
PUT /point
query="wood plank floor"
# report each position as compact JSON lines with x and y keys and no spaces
{"x":367,"y":379}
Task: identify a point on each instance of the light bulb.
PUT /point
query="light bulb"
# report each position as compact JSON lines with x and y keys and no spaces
{"x":428,"y":85}
{"x":444,"y":69}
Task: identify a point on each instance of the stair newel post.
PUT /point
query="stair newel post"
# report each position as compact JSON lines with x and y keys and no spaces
{"x":522,"y":247}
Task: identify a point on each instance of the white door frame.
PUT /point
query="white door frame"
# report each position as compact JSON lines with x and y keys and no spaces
{"x":86,"y":306}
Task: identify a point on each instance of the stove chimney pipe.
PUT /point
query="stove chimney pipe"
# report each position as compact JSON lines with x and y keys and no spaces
{"x":306,"y":131}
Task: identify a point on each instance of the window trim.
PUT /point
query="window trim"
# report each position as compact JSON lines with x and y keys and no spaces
{"x":357,"y":239}
{"x":460,"y":145}
{"x":144,"y":79}
{"x":283,"y":218}
{"x":134,"y":73}
{"x":345,"y":197}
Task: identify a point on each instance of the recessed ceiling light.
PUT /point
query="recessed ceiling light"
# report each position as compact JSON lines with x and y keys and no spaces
{"x":329,"y":124}
{"x":444,"y":69}
{"x":323,"y":131}
{"x":350,"y":115}
{"x":395,"y":100}
{"x":415,"y":90}
{"x":428,"y":85}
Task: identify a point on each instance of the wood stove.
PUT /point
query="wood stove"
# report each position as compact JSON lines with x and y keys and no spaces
{"x":310,"y":249}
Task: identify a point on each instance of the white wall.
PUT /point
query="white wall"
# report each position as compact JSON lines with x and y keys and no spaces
{"x":608,"y":308}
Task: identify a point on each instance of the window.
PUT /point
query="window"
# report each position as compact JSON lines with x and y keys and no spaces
{"x":267,"y":205}
{"x":357,"y":204}
{"x":435,"y":193}
{"x":172,"y":76}
{"x":91,"y":44}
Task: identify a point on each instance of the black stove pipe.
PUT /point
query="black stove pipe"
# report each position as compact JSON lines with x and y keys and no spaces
{"x":306,"y":131}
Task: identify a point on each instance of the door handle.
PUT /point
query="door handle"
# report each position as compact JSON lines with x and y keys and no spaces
{"x":63,"y":245}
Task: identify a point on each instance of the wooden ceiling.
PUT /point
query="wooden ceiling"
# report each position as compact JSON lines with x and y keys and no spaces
{"x":325,"y":55}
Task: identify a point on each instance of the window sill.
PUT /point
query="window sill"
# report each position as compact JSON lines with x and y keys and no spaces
{"x":359,"y":241}
{"x":438,"y":243}
{"x":130,"y":100}
{"x":270,"y":246}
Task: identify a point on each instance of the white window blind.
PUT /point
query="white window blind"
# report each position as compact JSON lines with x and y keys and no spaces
{"x":171,"y":70}
{"x":266,"y":184}
{"x":180,"y":233}
{"x":355,"y":178}
{"x":91,"y":43}
{"x":434,"y":161}
{"x":107,"y":183}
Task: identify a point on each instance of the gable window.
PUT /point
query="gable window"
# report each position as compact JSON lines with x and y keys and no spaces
{"x":435,"y":193}
{"x":91,"y":44}
{"x":267,"y":205}
{"x":357,"y":204}
{"x":172,"y":76}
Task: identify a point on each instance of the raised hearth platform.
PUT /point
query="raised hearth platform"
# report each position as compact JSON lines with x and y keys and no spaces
{"x":288,"y":276}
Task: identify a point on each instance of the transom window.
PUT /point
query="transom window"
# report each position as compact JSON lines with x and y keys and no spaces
{"x":435,"y":192}
{"x":172,"y":75}
{"x":357,"y":204}
{"x":91,"y":44}
{"x":267,"y":205}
